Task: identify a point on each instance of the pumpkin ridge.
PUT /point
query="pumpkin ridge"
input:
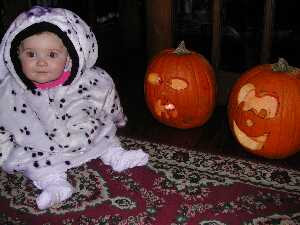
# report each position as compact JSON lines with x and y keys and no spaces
{"x":198,"y":83}
{"x":163,"y":71}
{"x":155,"y":67}
{"x":189,"y":67}
{"x":292,"y":113}
{"x":207,"y":80}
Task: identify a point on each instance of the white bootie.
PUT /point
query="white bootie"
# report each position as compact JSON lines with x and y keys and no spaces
{"x":55,"y":189}
{"x":54,"y":194}
{"x":120,"y":159}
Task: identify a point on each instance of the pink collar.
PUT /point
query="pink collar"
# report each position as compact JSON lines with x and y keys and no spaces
{"x":61,"y":80}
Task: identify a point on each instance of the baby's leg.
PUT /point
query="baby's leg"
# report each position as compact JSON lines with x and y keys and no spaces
{"x":55,"y":189}
{"x":120,"y":159}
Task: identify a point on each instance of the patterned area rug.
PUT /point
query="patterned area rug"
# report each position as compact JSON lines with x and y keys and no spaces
{"x":177,"y":187}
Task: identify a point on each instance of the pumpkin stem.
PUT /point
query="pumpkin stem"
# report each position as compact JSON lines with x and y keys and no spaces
{"x":181,"y":49}
{"x":282,"y":66}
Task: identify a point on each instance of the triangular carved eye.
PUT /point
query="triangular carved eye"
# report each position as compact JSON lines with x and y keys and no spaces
{"x":178,"y":84}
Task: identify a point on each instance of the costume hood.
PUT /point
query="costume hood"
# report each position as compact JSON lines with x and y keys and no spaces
{"x":74,"y":32}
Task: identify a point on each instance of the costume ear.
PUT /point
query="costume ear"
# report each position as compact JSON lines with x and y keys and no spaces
{"x":5,"y":58}
{"x":3,"y":61}
{"x":85,"y":39}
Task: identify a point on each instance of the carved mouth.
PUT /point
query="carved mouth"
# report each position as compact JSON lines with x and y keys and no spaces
{"x":168,"y":109}
{"x":169,"y":106}
{"x":253,"y":143}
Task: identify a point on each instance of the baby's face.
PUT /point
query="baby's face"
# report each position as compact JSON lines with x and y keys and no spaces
{"x":43,"y":57}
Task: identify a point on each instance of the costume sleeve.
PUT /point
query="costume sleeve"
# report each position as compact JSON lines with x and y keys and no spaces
{"x":6,"y":144}
{"x":113,"y":108}
{"x":86,"y":126}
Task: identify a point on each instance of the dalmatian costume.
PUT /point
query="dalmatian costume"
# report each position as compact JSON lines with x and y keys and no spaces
{"x":45,"y":132}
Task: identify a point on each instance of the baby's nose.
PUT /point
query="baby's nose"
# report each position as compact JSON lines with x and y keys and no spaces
{"x":42,"y":61}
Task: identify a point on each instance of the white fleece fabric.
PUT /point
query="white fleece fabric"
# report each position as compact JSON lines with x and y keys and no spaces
{"x":49,"y":131}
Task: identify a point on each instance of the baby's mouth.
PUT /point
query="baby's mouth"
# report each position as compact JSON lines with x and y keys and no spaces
{"x":42,"y":73}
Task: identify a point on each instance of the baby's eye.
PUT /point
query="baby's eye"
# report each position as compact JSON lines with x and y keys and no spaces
{"x":30,"y":54}
{"x":53,"y":54}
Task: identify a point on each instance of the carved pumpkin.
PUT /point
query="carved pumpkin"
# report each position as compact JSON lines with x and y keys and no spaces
{"x":180,"y":88}
{"x":264,"y":111}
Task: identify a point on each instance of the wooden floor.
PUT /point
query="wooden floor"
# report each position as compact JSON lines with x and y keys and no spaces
{"x":214,"y":136}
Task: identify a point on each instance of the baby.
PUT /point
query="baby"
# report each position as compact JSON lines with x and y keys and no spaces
{"x":58,"y":110}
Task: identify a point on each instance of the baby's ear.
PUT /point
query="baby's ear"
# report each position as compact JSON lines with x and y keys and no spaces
{"x":18,"y":51}
{"x":68,"y":65}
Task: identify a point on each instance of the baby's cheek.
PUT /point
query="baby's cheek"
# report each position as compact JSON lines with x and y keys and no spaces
{"x":59,"y":68}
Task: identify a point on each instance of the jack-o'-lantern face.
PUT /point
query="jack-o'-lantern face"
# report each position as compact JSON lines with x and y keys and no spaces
{"x":163,"y":105}
{"x":180,"y":88}
{"x":256,"y":110}
{"x":263,"y":110}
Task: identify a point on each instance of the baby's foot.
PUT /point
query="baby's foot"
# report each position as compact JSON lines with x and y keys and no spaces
{"x":54,"y":194}
{"x":120,"y":159}
{"x":130,"y":159}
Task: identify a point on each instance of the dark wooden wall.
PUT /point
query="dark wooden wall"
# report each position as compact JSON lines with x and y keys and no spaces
{"x":141,"y":28}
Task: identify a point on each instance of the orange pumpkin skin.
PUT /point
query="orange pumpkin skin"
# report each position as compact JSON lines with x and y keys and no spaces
{"x":264,"y":112}
{"x":180,"y":89}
